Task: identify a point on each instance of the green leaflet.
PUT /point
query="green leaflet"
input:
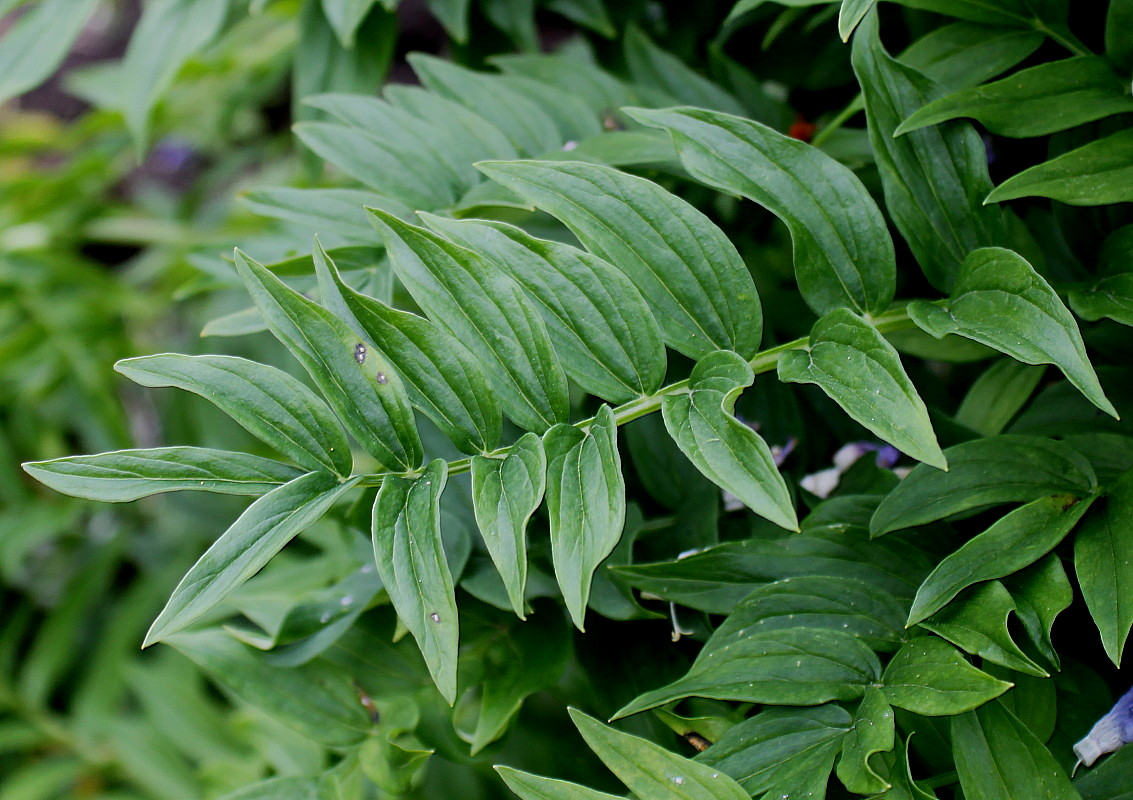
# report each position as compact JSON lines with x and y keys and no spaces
{"x":36,"y":44}
{"x":325,"y":210}
{"x":843,"y":251}
{"x":999,"y":758}
{"x":441,"y":377}
{"x":850,"y":14}
{"x":465,"y":136}
{"x":365,"y":392}
{"x":529,"y":127}
{"x":1000,"y":301}
{"x":726,"y":450}
{"x":1033,"y":102}
{"x":977,"y":622}
{"x":652,"y":772}
{"x":260,"y":532}
{"x":126,"y":475}
{"x":1041,"y":591}
{"x":963,"y":54}
{"x":600,"y":90}
{"x":412,"y":566}
{"x":453,"y":15}
{"x":873,"y":732}
{"x":1002,"y":469}
{"x":313,"y":699}
{"x":685,"y":267}
{"x":535,"y":787}
{"x":929,"y":677}
{"x":606,"y":337}
{"x":572,"y":116}
{"x":862,"y":373}
{"x":782,"y":750}
{"x":1110,"y":297}
{"x":998,"y":395}
{"x":1014,"y":541}
{"x":935,"y":179}
{"x":505,"y":493}
{"x":169,"y":34}
{"x":345,"y":16}
{"x":796,"y":666}
{"x":266,"y":401}
{"x":1103,"y":563}
{"x":651,"y":66}
{"x":588,"y":13}
{"x":585,"y":503}
{"x":1095,"y":174}
{"x":1014,"y":13}
{"x":488,"y":313}
{"x":391,"y":167}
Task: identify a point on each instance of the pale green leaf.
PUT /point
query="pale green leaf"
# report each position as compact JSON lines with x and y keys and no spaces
{"x":1014,"y":541}
{"x":1095,"y":174}
{"x":325,"y":211}
{"x":125,"y":475}
{"x":683,"y":264}
{"x":585,"y":503}
{"x":268,"y":402}
{"x":850,"y":13}
{"x":535,"y":787}
{"x":412,"y":566}
{"x":465,"y":135}
{"x":365,"y":392}
{"x":722,"y":447}
{"x":862,"y":373}
{"x":36,"y":44}
{"x":505,"y":493}
{"x":487,"y":311}
{"x":259,"y":533}
{"x":345,"y":16}
{"x":928,"y":676}
{"x":843,"y":252}
{"x":453,"y":15}
{"x":999,"y":300}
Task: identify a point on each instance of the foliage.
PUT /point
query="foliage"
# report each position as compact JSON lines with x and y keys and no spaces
{"x":617,"y":494}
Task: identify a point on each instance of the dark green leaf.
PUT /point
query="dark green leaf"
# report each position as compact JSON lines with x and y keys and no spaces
{"x":652,"y":772}
{"x":1001,"y":469}
{"x":999,"y":300}
{"x":505,"y":492}
{"x":843,"y":251}
{"x":782,"y":750}
{"x":271,"y":404}
{"x":607,"y":338}
{"x":345,"y":16}
{"x":325,"y":211}
{"x":687,"y":270}
{"x":929,"y":677}
{"x":589,"y":13}
{"x":1015,"y":13}
{"x":453,"y":15}
{"x":862,"y":373}
{"x":1110,"y":297}
{"x":873,"y":732}
{"x":1095,"y":174}
{"x":963,"y":54}
{"x":585,"y":502}
{"x":722,"y":447}
{"x":412,"y":566}
{"x":36,"y":44}
{"x":441,"y":377}
{"x":486,"y":311}
{"x":260,"y":532}
{"x":935,"y":180}
{"x":795,"y":666}
{"x":1103,"y":563}
{"x":535,"y":787}
{"x":998,"y":758}
{"x":1016,"y":540}
{"x":364,"y":391}
{"x":997,"y":395}
{"x":1041,"y":593}
{"x":126,"y":475}
{"x":651,"y":66}
{"x":1033,"y":102}
{"x":320,"y":704}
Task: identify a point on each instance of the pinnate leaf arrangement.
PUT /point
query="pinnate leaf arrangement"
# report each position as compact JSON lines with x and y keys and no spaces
{"x":553,"y":390}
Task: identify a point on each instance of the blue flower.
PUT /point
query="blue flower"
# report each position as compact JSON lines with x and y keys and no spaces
{"x":1109,"y":733}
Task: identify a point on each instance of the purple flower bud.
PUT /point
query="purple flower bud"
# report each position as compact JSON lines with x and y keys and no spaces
{"x":1109,"y":733}
{"x":887,"y":456}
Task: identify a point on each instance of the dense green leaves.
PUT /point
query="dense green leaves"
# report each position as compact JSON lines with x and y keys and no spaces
{"x":999,"y":300}
{"x":843,"y":252}
{"x":505,"y":492}
{"x":268,"y":402}
{"x":1016,"y":540}
{"x":685,"y":267}
{"x":441,"y":377}
{"x":366,"y":393}
{"x":928,"y":676}
{"x":722,"y":447}
{"x":260,"y":532}
{"x":934,"y":179}
{"x":585,"y":503}
{"x":1103,"y":564}
{"x":607,"y":338}
{"x":487,"y":311}
{"x":126,"y":475}
{"x":862,"y":373}
{"x":1094,"y":174}
{"x":412,"y":566}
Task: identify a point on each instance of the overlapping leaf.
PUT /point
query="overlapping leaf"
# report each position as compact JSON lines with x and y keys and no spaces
{"x":929,"y":677}
{"x":1103,"y":563}
{"x":1095,"y":174}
